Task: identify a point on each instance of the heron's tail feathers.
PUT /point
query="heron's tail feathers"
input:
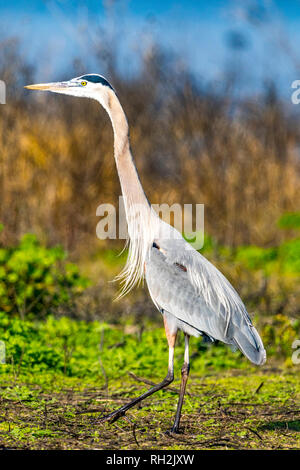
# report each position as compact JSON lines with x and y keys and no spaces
{"x":249,"y":342}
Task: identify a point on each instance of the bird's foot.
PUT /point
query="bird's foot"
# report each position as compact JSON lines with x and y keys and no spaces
{"x":173,"y":430}
{"x":112,"y":417}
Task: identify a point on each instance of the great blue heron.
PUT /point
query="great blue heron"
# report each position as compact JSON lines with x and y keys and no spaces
{"x":191,"y":294}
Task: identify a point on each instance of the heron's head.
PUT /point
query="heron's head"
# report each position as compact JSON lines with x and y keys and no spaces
{"x":88,"y":86}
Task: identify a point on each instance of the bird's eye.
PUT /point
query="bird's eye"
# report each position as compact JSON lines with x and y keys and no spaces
{"x":83,"y":83}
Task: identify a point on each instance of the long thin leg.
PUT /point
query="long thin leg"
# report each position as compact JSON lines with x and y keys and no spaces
{"x":184,"y":377}
{"x":167,"y":380}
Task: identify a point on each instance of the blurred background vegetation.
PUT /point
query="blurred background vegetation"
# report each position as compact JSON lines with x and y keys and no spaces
{"x":194,"y":141}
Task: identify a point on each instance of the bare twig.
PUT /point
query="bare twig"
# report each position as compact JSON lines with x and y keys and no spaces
{"x":149,"y":382}
{"x":254,"y":432}
{"x":133,"y":429}
{"x":258,"y":388}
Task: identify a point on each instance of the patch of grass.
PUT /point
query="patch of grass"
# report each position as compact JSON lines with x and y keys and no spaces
{"x":98,"y":350}
{"x":219,"y":412}
{"x":57,"y":404}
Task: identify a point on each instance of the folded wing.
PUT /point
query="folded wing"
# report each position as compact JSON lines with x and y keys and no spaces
{"x":181,"y":281}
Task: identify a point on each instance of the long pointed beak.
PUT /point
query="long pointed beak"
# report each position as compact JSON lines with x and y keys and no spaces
{"x":48,"y":86}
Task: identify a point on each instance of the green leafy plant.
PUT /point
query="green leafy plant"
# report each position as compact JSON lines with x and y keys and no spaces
{"x":34,"y":279}
{"x":290,"y":220}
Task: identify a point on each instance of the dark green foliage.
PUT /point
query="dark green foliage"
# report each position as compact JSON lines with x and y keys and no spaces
{"x":255,"y":257}
{"x":284,"y":258}
{"x":74,"y":348}
{"x":289,"y":255}
{"x":89,"y":349}
{"x":291,"y":220}
{"x":34,"y":280}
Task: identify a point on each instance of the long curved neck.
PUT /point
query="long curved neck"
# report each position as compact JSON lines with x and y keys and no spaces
{"x":130,"y":183}
{"x":142,"y":221}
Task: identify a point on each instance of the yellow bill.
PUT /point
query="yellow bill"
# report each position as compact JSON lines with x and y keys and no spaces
{"x":47,"y":86}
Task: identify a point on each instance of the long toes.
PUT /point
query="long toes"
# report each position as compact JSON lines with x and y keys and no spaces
{"x":105,"y":419}
{"x":173,"y":430}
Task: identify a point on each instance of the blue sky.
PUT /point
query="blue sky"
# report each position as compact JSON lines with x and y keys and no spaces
{"x":200,"y":32}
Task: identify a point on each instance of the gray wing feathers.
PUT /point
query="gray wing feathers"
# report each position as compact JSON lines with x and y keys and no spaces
{"x":200,"y":296}
{"x":172,"y":291}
